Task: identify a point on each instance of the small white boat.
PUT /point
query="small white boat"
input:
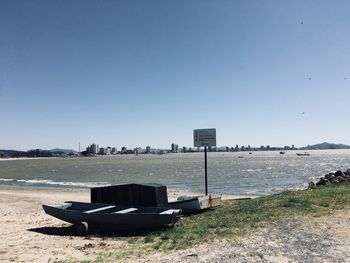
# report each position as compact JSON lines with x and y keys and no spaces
{"x":196,"y":204}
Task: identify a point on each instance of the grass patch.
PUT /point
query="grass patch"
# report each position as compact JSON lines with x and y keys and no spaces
{"x":236,"y":218}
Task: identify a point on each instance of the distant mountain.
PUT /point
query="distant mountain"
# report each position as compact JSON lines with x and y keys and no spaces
{"x":326,"y":145}
{"x":58,"y":150}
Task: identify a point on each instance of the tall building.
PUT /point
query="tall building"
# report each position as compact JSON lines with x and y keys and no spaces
{"x":148,"y":149}
{"x":138,"y":150}
{"x":108,"y":150}
{"x":94,"y":148}
{"x":102,"y":151}
{"x":174,"y":148}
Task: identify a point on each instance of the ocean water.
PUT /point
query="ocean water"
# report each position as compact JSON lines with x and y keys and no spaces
{"x":259,"y":173}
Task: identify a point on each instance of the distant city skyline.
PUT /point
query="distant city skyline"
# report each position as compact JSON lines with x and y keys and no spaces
{"x":96,"y":148}
{"x":138,"y":73}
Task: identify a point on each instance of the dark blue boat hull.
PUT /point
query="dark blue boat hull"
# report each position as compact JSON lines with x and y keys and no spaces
{"x":144,"y":218}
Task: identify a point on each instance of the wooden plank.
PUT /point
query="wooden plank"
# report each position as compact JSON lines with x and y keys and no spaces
{"x":99,"y":209}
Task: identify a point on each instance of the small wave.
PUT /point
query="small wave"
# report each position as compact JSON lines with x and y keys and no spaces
{"x":254,"y":170}
{"x":313,"y":178}
{"x":56,"y":183}
{"x":6,"y":180}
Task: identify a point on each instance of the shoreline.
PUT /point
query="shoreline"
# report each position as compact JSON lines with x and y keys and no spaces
{"x":173,"y":193}
{"x":27,"y":158}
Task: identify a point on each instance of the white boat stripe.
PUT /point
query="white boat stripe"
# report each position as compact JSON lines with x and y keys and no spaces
{"x":132,"y":209}
{"x":99,"y":209}
{"x":169,"y":212}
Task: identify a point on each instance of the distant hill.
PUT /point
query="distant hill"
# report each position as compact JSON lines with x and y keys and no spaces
{"x":35,"y":153}
{"x":66,"y":151}
{"x":13,"y":152}
{"x":326,"y":145}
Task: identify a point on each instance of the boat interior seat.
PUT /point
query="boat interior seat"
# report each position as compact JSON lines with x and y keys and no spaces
{"x":124,"y":211}
{"x":99,"y":209}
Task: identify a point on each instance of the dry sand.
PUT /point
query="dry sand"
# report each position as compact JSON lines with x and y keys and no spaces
{"x":29,"y":235}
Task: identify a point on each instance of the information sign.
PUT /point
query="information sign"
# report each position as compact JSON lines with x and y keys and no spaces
{"x":204,"y":137}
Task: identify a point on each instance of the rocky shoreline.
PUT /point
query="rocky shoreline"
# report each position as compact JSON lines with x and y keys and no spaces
{"x":339,"y":177}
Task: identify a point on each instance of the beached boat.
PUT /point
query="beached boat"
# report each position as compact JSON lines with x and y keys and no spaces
{"x":196,"y":204}
{"x":303,"y":154}
{"x":114,"y":217}
{"x":151,"y":195}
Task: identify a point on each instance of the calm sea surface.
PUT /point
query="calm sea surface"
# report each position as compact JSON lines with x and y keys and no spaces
{"x":260,"y":173}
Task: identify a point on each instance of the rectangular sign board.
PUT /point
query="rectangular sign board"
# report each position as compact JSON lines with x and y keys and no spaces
{"x":204,"y":137}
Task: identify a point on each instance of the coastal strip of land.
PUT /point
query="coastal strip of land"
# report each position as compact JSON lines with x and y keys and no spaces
{"x":295,"y":226}
{"x":33,"y":236}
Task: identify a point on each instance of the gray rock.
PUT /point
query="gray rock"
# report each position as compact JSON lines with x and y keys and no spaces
{"x":312,"y":185}
{"x":334,"y":180}
{"x":329,"y":176}
{"x":341,"y":179}
{"x":323,"y":181}
{"x":338,"y":173}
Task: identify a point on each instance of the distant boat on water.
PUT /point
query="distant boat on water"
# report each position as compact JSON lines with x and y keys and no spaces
{"x":282,"y":152}
{"x":303,"y":154}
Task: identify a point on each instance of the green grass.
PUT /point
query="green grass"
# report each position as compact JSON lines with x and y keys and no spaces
{"x":235,"y":218}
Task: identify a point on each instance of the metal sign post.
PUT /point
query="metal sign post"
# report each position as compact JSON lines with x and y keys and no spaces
{"x":206,"y":170}
{"x":205,"y":138}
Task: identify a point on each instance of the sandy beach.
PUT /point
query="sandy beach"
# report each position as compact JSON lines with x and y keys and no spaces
{"x":29,"y":235}
{"x":33,"y":236}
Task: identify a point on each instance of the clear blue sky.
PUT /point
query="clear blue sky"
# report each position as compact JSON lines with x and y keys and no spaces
{"x":137,"y":73}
